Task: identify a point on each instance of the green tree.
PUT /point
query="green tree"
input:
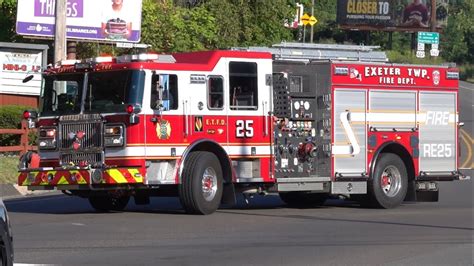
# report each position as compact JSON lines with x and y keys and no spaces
{"x":458,"y":39}
{"x":227,"y":21}
{"x":215,"y":24}
{"x":158,"y":24}
{"x":195,"y":28}
{"x":7,"y":20}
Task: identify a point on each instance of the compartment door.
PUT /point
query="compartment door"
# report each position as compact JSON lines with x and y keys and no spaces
{"x":350,"y":132}
{"x":437,"y":120}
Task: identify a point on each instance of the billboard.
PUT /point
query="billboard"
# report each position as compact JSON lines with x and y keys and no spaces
{"x":105,"y":20}
{"x":391,"y":15}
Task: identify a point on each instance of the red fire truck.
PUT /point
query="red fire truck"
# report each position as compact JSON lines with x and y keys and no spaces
{"x":206,"y":126}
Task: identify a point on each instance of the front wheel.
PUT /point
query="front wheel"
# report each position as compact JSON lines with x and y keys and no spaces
{"x":109,"y":203}
{"x":201,"y":186}
{"x":388,"y":185}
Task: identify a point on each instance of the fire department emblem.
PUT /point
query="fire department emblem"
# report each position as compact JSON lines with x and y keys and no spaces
{"x":163,"y":129}
{"x":198,"y":124}
{"x":354,"y":74}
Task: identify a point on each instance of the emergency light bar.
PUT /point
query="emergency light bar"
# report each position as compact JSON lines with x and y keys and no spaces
{"x":101,"y":59}
{"x":158,"y":58}
{"x":84,"y":65}
{"x":69,"y":62}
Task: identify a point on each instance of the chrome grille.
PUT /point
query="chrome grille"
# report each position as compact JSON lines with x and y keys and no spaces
{"x":92,"y":134}
{"x":77,"y":158}
{"x":91,"y":147}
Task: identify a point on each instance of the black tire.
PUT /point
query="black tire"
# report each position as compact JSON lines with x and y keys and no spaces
{"x":299,"y":199}
{"x":109,"y":203}
{"x":6,"y":249}
{"x":388,"y":184}
{"x":201,"y":186}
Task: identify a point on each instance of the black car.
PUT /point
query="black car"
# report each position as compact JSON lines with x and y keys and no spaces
{"x":6,"y":240}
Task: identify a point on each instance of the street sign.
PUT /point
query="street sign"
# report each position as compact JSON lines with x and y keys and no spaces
{"x":420,"y":54}
{"x":305,"y":19}
{"x":312,"y":20}
{"x":421,"y":47}
{"x":434,"y":52}
{"x":428,"y":37}
{"x":435,"y":46}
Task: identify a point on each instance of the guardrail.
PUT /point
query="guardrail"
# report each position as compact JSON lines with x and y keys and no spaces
{"x":23,"y":147}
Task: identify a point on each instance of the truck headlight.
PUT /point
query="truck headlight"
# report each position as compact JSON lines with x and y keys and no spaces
{"x":47,"y":138}
{"x":114,"y":135}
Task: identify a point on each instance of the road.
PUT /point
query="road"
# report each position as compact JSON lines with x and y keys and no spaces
{"x":64,"y":230}
{"x":466,"y":96}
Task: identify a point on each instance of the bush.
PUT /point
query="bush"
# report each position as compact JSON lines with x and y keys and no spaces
{"x":10,"y":117}
{"x":466,"y":72}
{"x":408,"y":57}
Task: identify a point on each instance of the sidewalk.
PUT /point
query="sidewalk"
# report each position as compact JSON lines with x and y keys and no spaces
{"x":12,"y":191}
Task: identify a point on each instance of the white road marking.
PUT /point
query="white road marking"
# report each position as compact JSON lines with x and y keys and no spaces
{"x":471,"y":88}
{"x":28,"y":264}
{"x":78,"y":224}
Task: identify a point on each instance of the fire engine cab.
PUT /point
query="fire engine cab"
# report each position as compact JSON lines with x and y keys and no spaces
{"x":206,"y":126}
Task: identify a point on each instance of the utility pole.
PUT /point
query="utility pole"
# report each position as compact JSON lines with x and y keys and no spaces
{"x":71,"y":50}
{"x":312,"y":14}
{"x":433,"y":15}
{"x":60,"y":31}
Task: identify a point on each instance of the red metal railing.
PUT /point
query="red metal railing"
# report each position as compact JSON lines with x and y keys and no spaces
{"x":23,"y":147}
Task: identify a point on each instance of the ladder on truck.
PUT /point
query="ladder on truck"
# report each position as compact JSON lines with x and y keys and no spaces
{"x":313,"y":51}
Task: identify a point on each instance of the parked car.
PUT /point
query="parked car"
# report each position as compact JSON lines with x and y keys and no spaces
{"x":6,"y":239}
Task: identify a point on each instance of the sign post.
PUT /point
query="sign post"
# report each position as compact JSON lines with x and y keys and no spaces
{"x":305,"y":20}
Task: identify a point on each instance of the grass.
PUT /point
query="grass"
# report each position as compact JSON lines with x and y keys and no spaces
{"x":8,"y":169}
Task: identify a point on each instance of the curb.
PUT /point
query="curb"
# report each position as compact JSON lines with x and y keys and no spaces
{"x":12,"y":191}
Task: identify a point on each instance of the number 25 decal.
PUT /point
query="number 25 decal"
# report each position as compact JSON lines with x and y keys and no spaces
{"x":244,"y":129}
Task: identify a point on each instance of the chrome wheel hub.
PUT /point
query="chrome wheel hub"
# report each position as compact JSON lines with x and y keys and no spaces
{"x":391,"y":181}
{"x":209,"y":184}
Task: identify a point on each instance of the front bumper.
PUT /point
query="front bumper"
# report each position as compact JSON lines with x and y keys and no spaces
{"x":79,"y":176}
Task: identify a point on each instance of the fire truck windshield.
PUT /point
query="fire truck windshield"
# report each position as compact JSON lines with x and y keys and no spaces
{"x":105,"y":92}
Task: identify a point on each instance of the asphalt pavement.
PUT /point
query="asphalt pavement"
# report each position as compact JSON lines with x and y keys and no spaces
{"x":466,"y":96}
{"x":66,"y":231}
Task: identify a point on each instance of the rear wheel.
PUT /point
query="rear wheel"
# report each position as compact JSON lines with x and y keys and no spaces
{"x":388,"y":185}
{"x":109,"y":203}
{"x":301,"y":199}
{"x":200,"y":191}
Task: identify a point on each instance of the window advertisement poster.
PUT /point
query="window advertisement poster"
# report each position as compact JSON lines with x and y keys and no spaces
{"x":392,"y":15}
{"x":16,"y":65}
{"x":104,"y":20}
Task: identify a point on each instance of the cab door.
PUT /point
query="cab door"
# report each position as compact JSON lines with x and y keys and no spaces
{"x":249,"y":137}
{"x":165,"y":127}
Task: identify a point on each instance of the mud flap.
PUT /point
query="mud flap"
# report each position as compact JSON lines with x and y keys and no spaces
{"x":427,"y":196}
{"x":228,"y":195}
{"x":411,"y":191}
